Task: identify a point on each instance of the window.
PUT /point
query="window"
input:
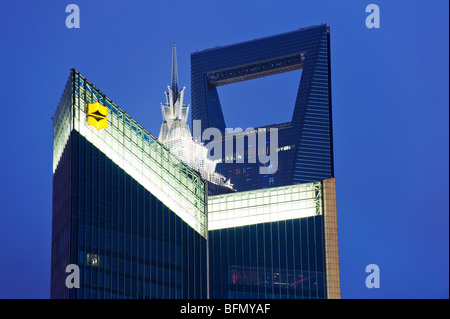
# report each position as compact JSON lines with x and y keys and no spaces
{"x":92,"y":260}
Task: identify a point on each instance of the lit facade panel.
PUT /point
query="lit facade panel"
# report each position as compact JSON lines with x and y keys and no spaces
{"x":331,"y":239}
{"x":264,"y":205}
{"x":62,"y":123}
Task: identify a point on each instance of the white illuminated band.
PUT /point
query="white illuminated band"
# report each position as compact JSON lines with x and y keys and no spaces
{"x":265,"y":205}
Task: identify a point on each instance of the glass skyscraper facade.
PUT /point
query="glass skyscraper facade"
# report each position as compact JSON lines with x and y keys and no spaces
{"x":274,"y":243}
{"x":129,"y":214}
{"x":268,"y":243}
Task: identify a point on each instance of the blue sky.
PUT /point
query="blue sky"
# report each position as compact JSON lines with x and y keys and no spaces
{"x":390,"y":118}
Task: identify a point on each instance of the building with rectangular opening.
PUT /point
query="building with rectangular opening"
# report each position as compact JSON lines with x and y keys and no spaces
{"x":278,"y":252}
{"x":305,"y":143}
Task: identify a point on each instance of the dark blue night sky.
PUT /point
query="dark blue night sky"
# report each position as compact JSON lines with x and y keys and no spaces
{"x":390,"y":118}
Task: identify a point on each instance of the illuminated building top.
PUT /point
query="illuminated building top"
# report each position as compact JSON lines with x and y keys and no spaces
{"x":176,"y":135}
{"x":131,"y":147}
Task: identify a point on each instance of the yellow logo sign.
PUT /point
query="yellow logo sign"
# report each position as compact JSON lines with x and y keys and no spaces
{"x":97,"y":115}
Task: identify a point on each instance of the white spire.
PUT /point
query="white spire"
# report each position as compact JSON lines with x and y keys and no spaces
{"x":176,"y":136}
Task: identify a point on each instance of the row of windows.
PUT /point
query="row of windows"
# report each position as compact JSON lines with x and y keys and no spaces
{"x":267,"y":260}
{"x":142,"y":291}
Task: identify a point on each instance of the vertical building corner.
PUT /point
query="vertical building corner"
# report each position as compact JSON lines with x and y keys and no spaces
{"x":331,"y":239}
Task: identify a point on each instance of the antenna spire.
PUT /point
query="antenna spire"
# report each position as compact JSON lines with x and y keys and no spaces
{"x":174,"y":72}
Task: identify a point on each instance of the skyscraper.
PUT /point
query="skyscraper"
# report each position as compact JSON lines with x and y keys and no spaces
{"x":277,"y":236}
{"x":126,"y":211}
{"x":305,"y":144}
